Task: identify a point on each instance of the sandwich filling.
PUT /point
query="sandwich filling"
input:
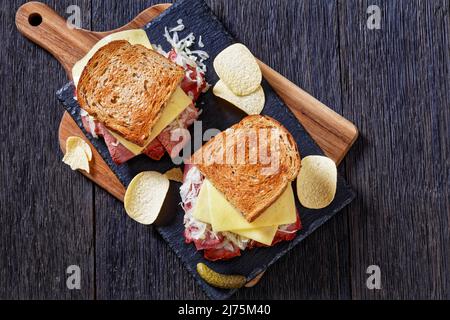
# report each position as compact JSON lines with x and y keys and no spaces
{"x":226,"y":244}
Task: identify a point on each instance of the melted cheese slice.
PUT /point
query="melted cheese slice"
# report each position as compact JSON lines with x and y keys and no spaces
{"x":263,"y":235}
{"x":203,"y":212}
{"x":177,"y":103}
{"x":226,"y":217}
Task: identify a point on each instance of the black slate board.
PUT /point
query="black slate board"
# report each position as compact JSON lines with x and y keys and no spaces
{"x":198,"y":19}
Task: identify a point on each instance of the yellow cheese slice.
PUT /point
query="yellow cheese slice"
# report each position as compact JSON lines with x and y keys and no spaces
{"x":175,"y":106}
{"x":137,"y":36}
{"x":203,"y":213}
{"x":201,"y":209}
{"x":263,"y":235}
{"x":226,"y":217}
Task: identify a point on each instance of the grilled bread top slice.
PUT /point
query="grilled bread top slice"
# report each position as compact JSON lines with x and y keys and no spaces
{"x":126,"y":87}
{"x":251,"y":173}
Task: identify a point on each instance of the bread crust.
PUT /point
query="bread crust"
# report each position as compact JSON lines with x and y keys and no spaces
{"x":126,"y":87}
{"x":246,"y":185}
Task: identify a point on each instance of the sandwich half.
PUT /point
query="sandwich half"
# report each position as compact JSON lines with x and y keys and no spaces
{"x":237,"y":191}
{"x":135,"y":97}
{"x":127,"y":87}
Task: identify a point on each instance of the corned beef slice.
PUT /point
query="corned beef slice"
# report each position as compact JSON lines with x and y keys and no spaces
{"x":118,"y":152}
{"x":221,"y":254}
{"x":97,"y":127}
{"x":178,"y":129}
{"x":155,"y":150}
{"x":157,"y":147}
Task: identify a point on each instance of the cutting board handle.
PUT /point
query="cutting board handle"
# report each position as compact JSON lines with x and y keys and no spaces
{"x":45,"y":27}
{"x":42,"y":25}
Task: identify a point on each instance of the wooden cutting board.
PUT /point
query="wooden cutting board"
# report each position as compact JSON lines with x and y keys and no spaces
{"x":42,"y":25}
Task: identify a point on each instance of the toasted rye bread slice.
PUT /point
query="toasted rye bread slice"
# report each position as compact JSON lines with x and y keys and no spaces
{"x":126,"y":87}
{"x":250,"y":183}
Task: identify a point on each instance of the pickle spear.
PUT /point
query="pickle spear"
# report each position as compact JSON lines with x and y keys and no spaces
{"x":218,"y":280}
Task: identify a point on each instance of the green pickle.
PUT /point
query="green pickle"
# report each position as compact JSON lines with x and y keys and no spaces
{"x":218,"y":280}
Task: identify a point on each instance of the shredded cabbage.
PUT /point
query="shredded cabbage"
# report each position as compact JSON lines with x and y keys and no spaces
{"x":90,"y":120}
{"x":240,"y":241}
{"x":92,"y":126}
{"x":189,"y":191}
{"x":200,"y":42}
{"x":185,"y":56}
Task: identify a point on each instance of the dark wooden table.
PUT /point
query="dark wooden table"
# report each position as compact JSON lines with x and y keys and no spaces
{"x":393,"y":83}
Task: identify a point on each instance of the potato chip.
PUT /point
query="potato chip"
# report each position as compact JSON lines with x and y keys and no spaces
{"x":175,"y":174}
{"x":316,"y":183}
{"x":74,"y":141}
{"x":78,"y":154}
{"x":250,"y":104}
{"x":145,"y":196}
{"x":237,"y":67}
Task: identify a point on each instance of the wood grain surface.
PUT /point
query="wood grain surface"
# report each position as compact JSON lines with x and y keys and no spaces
{"x":46,"y":211}
{"x":396,"y":88}
{"x":392,"y":83}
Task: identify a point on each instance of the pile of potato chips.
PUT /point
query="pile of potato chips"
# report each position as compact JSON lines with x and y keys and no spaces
{"x":240,"y":79}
